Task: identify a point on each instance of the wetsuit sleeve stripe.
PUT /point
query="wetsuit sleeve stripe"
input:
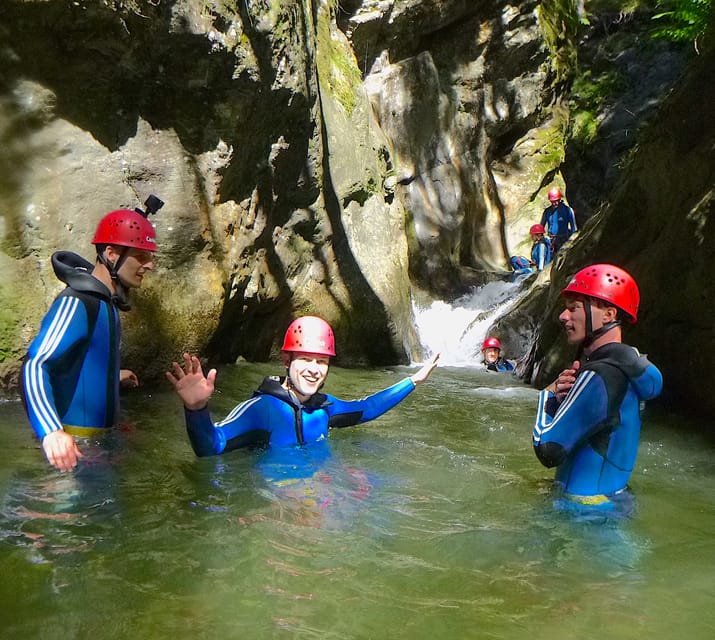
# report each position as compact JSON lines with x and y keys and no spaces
{"x":544,"y":422}
{"x":209,"y":438}
{"x":238,"y":411}
{"x":572,"y":397}
{"x":542,"y":417}
{"x":38,"y":391}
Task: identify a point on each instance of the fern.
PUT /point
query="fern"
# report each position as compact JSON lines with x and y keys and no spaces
{"x":683,"y":20}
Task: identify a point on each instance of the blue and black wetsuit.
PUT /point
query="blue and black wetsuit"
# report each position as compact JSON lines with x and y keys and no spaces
{"x":560,"y":223}
{"x":275,"y":417}
{"x":70,"y":378}
{"x":592,"y":436}
{"x":541,"y":254}
{"x":502,"y":364}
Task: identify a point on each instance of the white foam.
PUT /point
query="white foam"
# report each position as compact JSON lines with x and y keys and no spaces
{"x":457,"y":329}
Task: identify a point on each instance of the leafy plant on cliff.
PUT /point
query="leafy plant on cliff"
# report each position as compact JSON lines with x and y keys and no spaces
{"x":684,"y":20}
{"x":560,"y":22}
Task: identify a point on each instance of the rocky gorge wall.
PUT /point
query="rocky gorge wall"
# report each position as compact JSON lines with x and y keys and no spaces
{"x":291,"y":186}
{"x":333,"y":158}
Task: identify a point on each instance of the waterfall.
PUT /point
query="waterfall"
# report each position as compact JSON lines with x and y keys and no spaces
{"x":457,"y":329}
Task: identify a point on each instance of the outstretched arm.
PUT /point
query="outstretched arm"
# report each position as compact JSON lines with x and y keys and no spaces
{"x":190,"y":384}
{"x":345,"y":413}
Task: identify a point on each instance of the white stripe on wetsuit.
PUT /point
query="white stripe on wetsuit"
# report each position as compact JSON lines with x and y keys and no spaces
{"x":36,"y":393}
{"x":238,"y":411}
{"x":581,"y":382}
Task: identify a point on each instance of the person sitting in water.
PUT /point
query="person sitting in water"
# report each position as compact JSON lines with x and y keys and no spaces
{"x":283,"y":411}
{"x":521,"y":266}
{"x":588,"y":420}
{"x":491,"y":356}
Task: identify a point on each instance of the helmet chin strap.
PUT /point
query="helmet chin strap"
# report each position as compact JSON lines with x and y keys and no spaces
{"x":120,"y":291}
{"x":591,"y":335}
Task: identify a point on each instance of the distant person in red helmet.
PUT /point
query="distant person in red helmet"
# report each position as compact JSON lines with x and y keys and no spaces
{"x":540,"y":247}
{"x":492,"y":358}
{"x":558,"y":220}
{"x":71,"y":375}
{"x":284,"y":411}
{"x":588,"y":420}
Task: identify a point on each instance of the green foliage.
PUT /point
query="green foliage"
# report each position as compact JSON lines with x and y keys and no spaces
{"x":683,"y":20}
{"x":560,"y":24}
{"x":339,"y":70}
{"x":617,"y":6}
{"x":588,"y":94}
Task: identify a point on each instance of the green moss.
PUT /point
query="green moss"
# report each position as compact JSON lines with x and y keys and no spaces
{"x":10,"y":323}
{"x":618,"y":6}
{"x":560,"y":25}
{"x":337,"y":67}
{"x":589,"y":92}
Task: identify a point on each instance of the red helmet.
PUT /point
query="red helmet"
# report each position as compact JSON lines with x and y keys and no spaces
{"x":537,"y":228}
{"x":554,"y":194}
{"x":609,"y":283}
{"x":126,"y":228}
{"x":491,"y":343}
{"x":311,"y":335}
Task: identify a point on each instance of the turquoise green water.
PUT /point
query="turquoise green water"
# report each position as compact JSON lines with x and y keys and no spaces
{"x":434,"y":521}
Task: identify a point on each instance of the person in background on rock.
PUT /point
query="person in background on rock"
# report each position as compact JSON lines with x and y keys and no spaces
{"x":71,"y":375}
{"x":283,"y":411}
{"x":588,"y":420}
{"x":491,"y":356}
{"x":558,"y":220}
{"x":521,"y":266}
{"x":541,"y":247}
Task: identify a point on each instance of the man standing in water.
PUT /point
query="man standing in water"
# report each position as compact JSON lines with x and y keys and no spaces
{"x":588,"y":420}
{"x":559,"y":220}
{"x":71,"y":374}
{"x":283,"y":411}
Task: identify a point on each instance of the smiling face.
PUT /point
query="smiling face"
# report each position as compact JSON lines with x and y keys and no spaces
{"x":491,"y":355}
{"x":306,"y":372}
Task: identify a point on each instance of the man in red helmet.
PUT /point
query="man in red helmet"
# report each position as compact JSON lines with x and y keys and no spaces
{"x":492,"y":358}
{"x":558,"y":220}
{"x":588,"y":420}
{"x":71,"y":375}
{"x":283,"y":411}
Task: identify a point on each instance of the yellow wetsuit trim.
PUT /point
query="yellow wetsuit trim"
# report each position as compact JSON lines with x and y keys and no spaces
{"x":84,"y":432}
{"x":597,"y":499}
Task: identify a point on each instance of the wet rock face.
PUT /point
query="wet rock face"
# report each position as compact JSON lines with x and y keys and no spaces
{"x":289,"y":188}
{"x":224,"y":119}
{"x":321,"y":159}
{"x":449,"y":83}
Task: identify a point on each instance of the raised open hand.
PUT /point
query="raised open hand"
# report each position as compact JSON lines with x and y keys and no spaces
{"x":190,"y":384}
{"x":426,"y":370}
